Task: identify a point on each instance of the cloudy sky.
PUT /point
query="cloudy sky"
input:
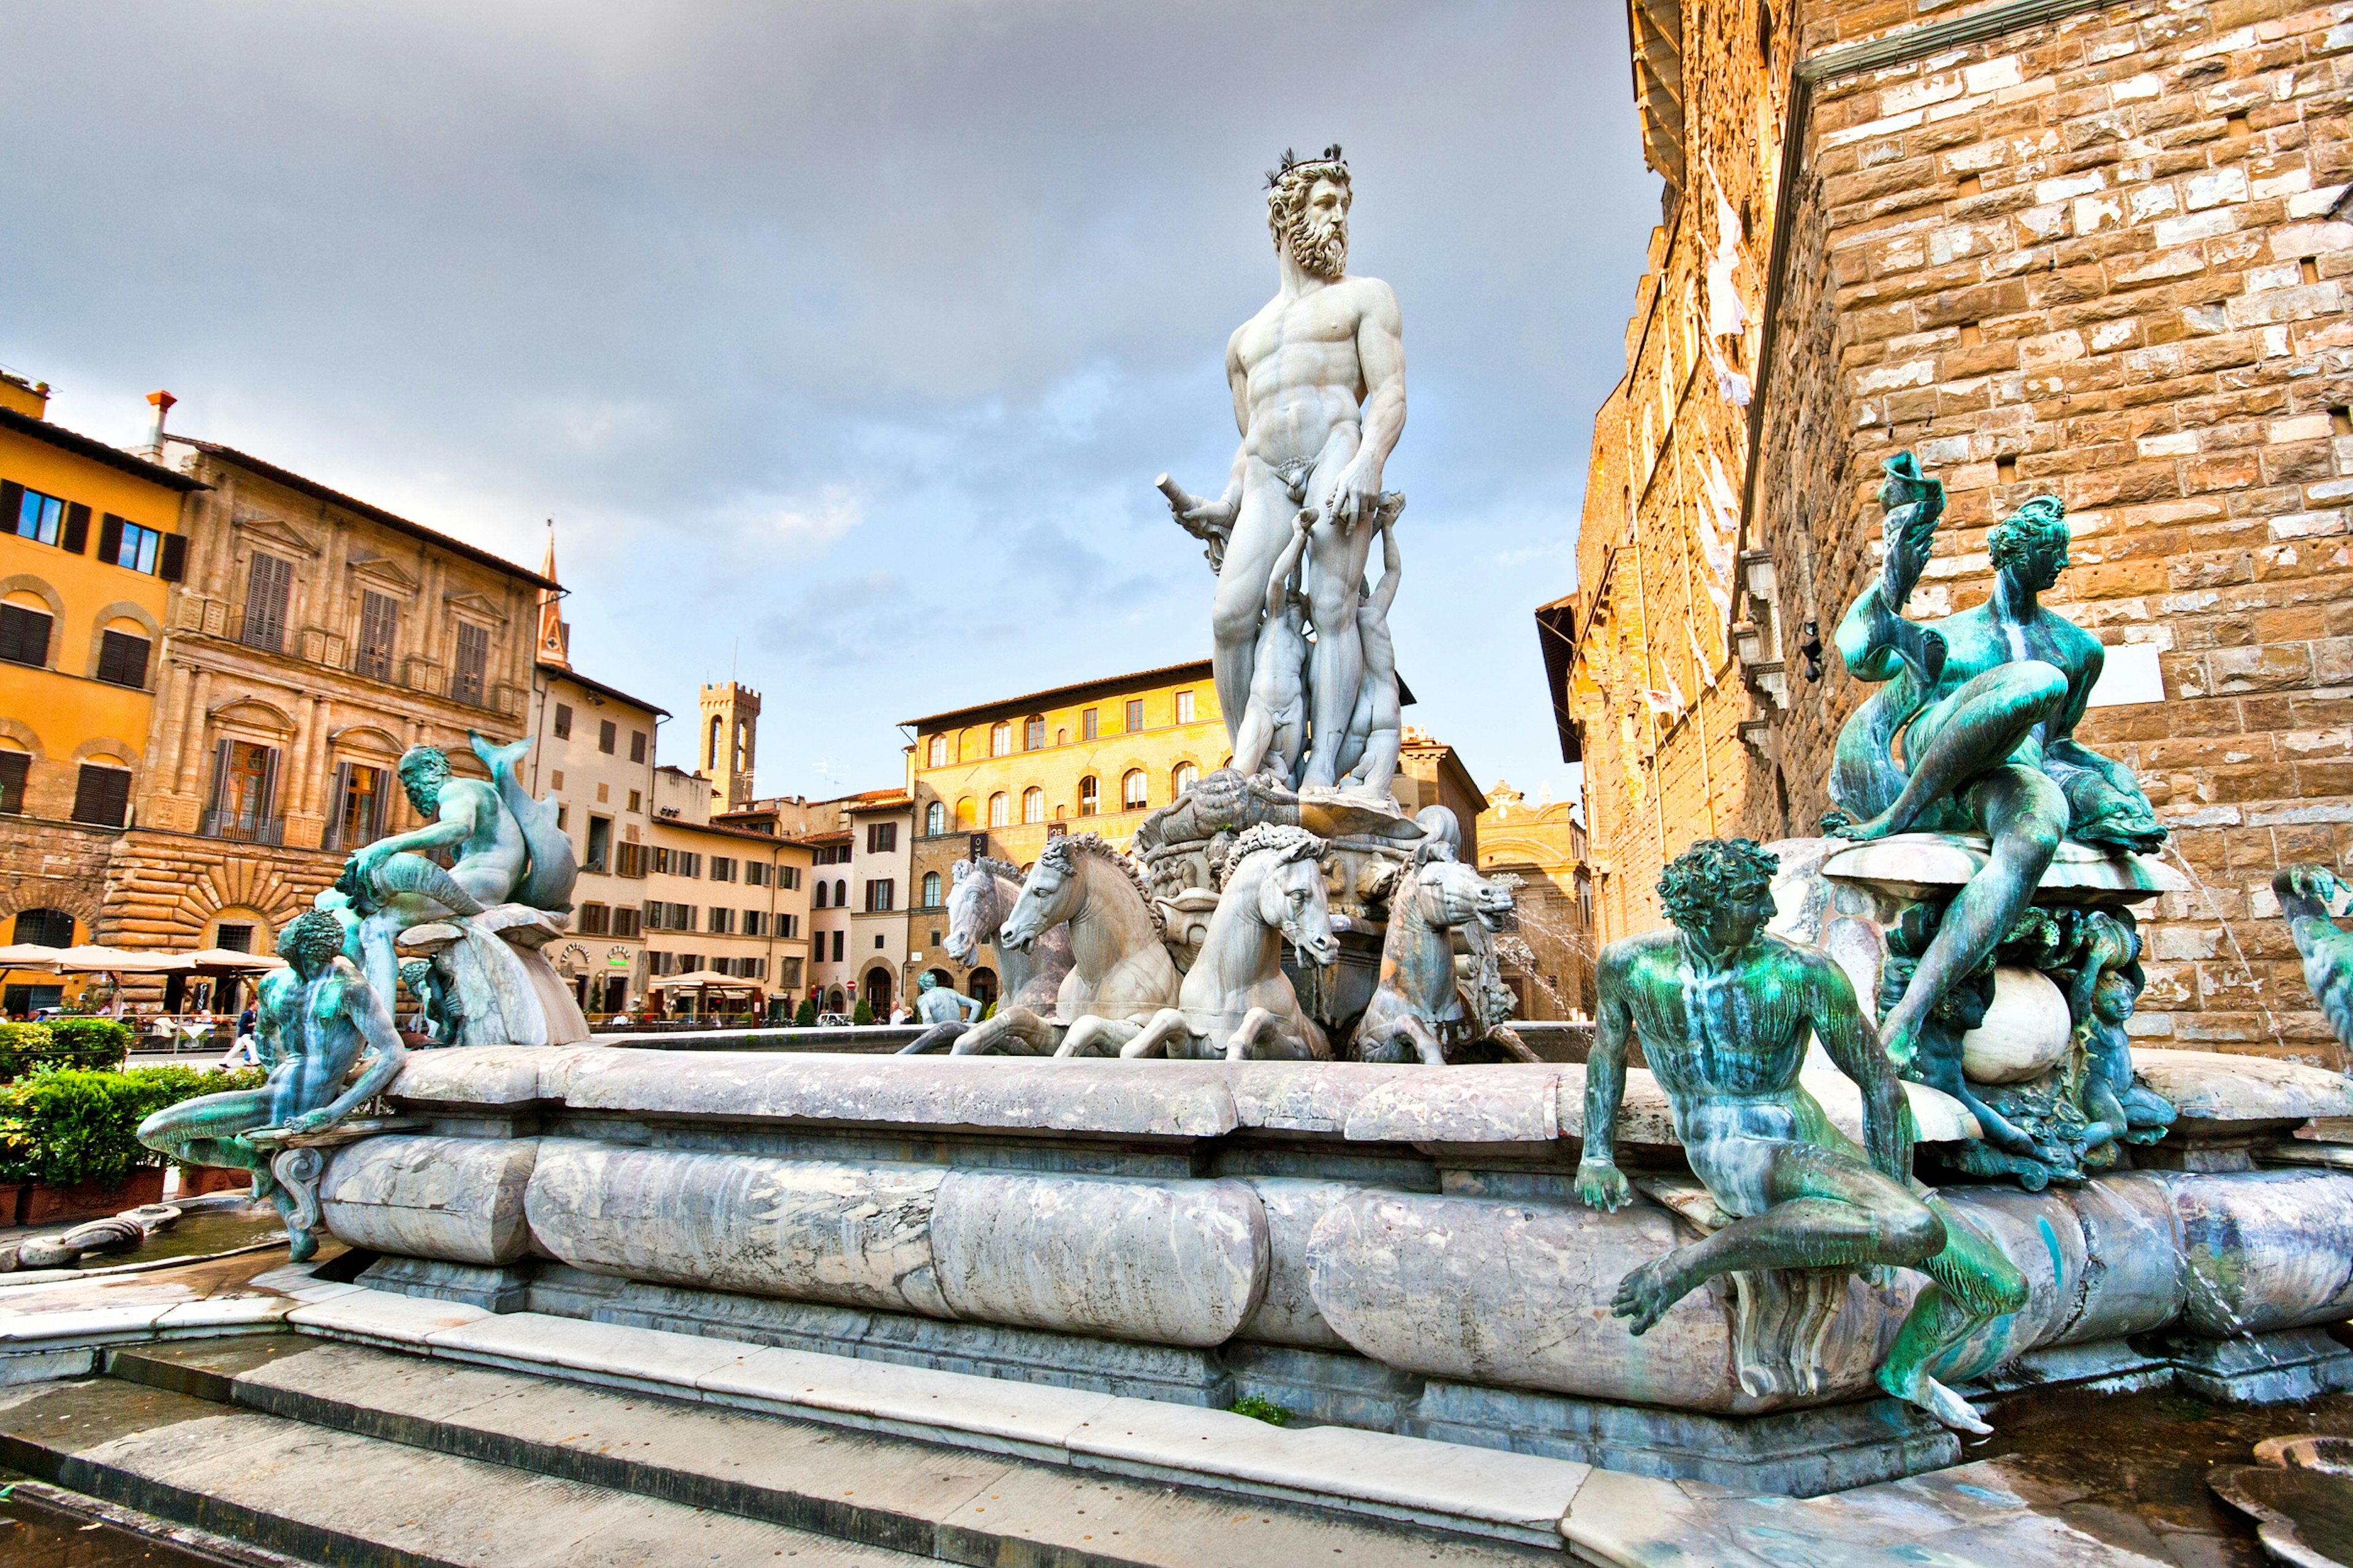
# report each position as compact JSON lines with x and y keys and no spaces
{"x":841,"y":341}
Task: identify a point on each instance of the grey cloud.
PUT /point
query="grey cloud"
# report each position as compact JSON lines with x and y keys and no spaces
{"x":673,"y":274}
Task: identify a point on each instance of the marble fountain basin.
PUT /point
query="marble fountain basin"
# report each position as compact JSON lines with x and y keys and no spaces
{"x":1371,"y":1245}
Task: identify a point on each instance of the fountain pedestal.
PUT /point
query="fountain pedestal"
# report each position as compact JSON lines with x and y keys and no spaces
{"x":2028,"y":1038}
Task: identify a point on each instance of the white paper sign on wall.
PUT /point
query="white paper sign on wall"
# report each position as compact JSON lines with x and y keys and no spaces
{"x":2130,"y":675}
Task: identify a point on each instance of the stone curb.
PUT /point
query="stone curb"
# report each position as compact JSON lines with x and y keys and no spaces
{"x":1483,"y":1493}
{"x":35,"y":1347}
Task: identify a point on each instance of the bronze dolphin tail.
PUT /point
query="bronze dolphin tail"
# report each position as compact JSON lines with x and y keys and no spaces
{"x":416,"y":874}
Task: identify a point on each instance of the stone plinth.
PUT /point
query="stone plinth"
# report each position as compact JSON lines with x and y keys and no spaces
{"x":1389,"y":1246}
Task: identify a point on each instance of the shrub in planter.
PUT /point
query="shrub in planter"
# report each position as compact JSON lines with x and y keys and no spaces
{"x":64,"y":1127}
{"x":91,"y":1042}
{"x":805,"y":1015}
{"x":861,"y":1014}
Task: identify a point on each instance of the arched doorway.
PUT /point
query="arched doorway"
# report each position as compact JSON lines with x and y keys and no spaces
{"x":941,"y":978}
{"x":982,"y":988}
{"x":878,"y":992}
{"x":834,"y":1001}
{"x":39,"y":927}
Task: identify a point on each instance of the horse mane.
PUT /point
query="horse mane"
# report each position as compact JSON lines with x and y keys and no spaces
{"x":1005,"y":869}
{"x":1291,"y":843}
{"x":1059,"y":849}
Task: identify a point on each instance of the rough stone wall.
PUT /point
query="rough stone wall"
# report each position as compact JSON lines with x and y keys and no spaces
{"x":2095,"y":259}
{"x":1657,"y":691}
{"x":50,"y":864}
{"x":2098,"y":256}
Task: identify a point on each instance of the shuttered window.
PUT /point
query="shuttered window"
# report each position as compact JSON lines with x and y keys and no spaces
{"x":379,"y":621}
{"x":101,"y":795}
{"x":245,"y":786}
{"x":474,"y":663}
{"x":24,"y":634}
{"x":14,"y":768}
{"x":358,"y":799}
{"x":122,"y":659}
{"x":269,"y":584}
{"x":121,"y":542}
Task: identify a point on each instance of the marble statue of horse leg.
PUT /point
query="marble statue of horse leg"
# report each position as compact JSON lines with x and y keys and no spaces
{"x":1509,"y":1038}
{"x":1098,"y":1036}
{"x":1158,"y":1035}
{"x":997,"y":1034}
{"x":1423,"y":1038}
{"x":1267,"y":1035}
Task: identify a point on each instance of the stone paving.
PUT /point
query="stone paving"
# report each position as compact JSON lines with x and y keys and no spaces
{"x":279,"y":1429}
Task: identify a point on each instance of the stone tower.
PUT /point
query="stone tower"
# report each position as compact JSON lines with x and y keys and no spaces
{"x":554,"y":637}
{"x":725,"y":747}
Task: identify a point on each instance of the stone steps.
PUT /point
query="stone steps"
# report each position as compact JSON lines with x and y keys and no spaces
{"x":843,"y":1492}
{"x":337,"y":1497}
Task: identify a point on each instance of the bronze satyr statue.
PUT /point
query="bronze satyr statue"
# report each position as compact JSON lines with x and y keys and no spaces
{"x":1723,"y":1008}
{"x":317,"y":1021}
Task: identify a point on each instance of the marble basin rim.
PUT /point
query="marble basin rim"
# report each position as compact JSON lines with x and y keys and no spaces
{"x":1359,"y":1103}
{"x":1923,"y":865}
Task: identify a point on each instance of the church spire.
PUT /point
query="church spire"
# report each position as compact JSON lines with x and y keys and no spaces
{"x":554,"y":637}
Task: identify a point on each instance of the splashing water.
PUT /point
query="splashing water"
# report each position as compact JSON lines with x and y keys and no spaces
{"x":2231,"y":936}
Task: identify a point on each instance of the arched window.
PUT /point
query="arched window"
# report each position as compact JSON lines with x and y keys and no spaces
{"x":936,"y":818}
{"x":1033,"y":805}
{"x":1135,"y":790}
{"x":939,"y":751}
{"x":1001,"y":739}
{"x":743,"y":745}
{"x":1033,"y":733}
{"x":930,"y":890}
{"x":44,"y":928}
{"x":1090,"y":795}
{"x":965,"y":818}
{"x":1186,"y":777}
{"x":718,"y":729}
{"x":1000,"y":809}
{"x":840,"y":892}
{"x":816,"y":898}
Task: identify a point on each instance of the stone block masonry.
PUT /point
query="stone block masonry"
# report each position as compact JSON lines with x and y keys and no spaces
{"x":2105,"y":256}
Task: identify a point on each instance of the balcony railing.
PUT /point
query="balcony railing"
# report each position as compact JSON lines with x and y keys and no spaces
{"x":241,"y":829}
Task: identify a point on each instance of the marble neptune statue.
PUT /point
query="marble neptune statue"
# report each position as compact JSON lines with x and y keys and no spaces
{"x":1982,"y":708}
{"x":1318,"y":380}
{"x":1724,"y":1010}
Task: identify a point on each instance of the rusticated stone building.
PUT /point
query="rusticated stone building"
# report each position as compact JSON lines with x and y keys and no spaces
{"x":2098,"y":249}
{"x":313,"y":637}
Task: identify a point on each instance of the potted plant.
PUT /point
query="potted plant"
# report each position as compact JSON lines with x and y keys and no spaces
{"x":68,"y":1137}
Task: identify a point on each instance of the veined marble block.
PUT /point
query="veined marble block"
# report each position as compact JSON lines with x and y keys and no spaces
{"x":457,"y":1199}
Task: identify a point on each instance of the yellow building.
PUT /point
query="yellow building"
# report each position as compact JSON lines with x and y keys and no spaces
{"x":90,"y":544}
{"x":724,"y":898}
{"x":1541,"y":843}
{"x":1094,"y":757}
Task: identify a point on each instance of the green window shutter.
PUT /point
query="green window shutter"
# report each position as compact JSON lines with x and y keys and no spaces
{"x":76,"y":538}
{"x":109,"y":538}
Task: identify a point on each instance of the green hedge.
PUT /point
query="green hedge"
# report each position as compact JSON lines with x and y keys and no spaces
{"x":861,"y":1014}
{"x":805,"y":1015}
{"x":64,"y":1126}
{"x":91,"y":1043}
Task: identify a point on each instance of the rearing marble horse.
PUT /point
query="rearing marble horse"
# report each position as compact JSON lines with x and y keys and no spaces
{"x":1121,"y":974}
{"x":982,"y":894}
{"x":1235,"y":1002}
{"x":1418,"y":1009}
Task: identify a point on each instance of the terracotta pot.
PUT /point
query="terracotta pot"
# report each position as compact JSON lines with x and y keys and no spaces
{"x":42,"y":1205}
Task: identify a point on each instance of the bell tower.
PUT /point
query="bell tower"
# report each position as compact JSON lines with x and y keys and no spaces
{"x":725,"y":743}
